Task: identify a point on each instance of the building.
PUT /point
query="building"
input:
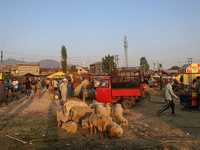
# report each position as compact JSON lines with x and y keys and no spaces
{"x":96,"y":68}
{"x":81,"y":70}
{"x":24,"y":68}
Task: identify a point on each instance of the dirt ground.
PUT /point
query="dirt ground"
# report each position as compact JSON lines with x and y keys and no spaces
{"x":30,"y":122}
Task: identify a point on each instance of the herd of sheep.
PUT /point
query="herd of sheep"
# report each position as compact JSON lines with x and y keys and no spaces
{"x":97,"y":117}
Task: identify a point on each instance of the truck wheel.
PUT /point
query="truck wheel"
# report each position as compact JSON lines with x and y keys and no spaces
{"x":56,"y":96}
{"x":127,"y":104}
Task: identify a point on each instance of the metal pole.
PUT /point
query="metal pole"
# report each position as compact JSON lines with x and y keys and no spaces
{"x":2,"y":64}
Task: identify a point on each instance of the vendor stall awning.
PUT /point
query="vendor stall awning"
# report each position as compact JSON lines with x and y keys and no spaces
{"x":57,"y":75}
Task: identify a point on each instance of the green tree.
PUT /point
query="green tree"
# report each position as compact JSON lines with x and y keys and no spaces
{"x":7,"y":76}
{"x":108,"y":63}
{"x":64,"y":58}
{"x":73,"y":69}
{"x":174,"y":68}
{"x":144,"y":63}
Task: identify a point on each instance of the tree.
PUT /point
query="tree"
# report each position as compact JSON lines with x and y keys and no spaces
{"x":174,"y":68}
{"x":7,"y":77}
{"x":144,"y":64}
{"x":73,"y":69}
{"x":108,"y":63}
{"x":64,"y":58}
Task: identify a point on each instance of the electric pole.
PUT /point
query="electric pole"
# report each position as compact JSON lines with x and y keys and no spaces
{"x":189,"y":60}
{"x":125,"y":49}
{"x":116,"y":61}
{"x":2,"y":64}
{"x":154,"y":67}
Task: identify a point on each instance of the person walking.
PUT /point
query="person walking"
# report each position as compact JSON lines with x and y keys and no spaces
{"x":47,"y":84}
{"x":15,"y":85}
{"x":3,"y":92}
{"x":198,"y":96}
{"x":55,"y":85}
{"x":42,"y":83}
{"x":161,"y":82}
{"x":168,"y":97}
{"x":38,"y":89}
{"x":63,"y":89}
{"x":27,"y":87}
{"x":33,"y":82}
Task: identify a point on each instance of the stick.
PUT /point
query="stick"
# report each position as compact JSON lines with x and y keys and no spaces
{"x":16,"y":139}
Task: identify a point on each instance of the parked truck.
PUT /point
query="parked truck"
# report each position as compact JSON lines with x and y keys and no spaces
{"x":122,"y":86}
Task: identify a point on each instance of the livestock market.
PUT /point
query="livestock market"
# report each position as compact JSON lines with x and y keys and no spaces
{"x":99,"y":75}
{"x":117,"y":111}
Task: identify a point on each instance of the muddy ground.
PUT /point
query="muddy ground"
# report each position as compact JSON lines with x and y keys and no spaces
{"x":30,"y":122}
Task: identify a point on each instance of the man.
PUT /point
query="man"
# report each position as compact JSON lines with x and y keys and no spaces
{"x":161,"y":82}
{"x":28,"y":87}
{"x":47,"y":84}
{"x":15,"y":85}
{"x":33,"y":83}
{"x":63,"y":89}
{"x":150,"y":82}
{"x":168,"y":97}
{"x":146,"y":81}
{"x":198,"y":96}
{"x":3,"y":92}
{"x":55,"y":85}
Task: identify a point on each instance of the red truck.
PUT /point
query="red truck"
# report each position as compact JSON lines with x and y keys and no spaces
{"x":122,"y":86}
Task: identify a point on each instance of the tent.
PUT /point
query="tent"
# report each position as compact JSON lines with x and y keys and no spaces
{"x":57,"y":75}
{"x":189,"y":72}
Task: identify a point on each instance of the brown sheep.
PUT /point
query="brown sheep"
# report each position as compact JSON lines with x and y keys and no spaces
{"x":113,"y":131}
{"x":58,"y":114}
{"x":98,"y":121}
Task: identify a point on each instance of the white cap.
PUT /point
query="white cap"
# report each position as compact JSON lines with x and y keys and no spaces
{"x":64,"y":79}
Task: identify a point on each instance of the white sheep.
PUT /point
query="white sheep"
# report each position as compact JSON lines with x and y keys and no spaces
{"x":80,"y":111}
{"x":70,"y":126}
{"x":58,"y":114}
{"x":69,"y":104}
{"x":108,"y":109}
{"x":118,"y":117}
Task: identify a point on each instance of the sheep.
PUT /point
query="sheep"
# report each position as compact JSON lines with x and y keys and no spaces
{"x":118,"y":111}
{"x":69,"y":104}
{"x":80,"y":111}
{"x":108,"y":109}
{"x":95,"y":104}
{"x":84,"y":124}
{"x":98,"y":121}
{"x":58,"y":114}
{"x":88,"y":94}
{"x":113,"y":131}
{"x":70,"y":126}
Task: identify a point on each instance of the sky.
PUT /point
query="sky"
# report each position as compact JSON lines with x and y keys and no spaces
{"x":166,"y":32}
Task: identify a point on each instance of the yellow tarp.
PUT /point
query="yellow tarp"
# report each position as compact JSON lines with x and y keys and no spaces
{"x":57,"y":75}
{"x":187,"y":78}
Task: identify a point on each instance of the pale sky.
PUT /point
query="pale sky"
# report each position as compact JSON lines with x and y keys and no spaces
{"x":166,"y":32}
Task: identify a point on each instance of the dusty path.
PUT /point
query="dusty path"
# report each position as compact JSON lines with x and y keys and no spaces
{"x":30,"y":120}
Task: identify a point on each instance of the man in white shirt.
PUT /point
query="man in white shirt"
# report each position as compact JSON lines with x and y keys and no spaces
{"x":15,"y":85}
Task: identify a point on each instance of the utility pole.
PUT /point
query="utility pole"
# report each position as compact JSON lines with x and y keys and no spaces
{"x":2,"y":64}
{"x":116,"y":61}
{"x":179,"y":64}
{"x":154,"y":66}
{"x":125,"y":49}
{"x":189,"y":60}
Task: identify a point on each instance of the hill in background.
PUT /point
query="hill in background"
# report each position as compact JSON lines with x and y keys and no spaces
{"x":47,"y":63}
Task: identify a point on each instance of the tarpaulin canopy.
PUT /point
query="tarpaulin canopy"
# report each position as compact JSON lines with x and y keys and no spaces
{"x":57,"y":75}
{"x":190,"y":68}
{"x":186,"y":78}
